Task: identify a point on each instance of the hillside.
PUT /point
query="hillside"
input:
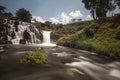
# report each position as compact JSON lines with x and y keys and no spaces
{"x":101,"y":36}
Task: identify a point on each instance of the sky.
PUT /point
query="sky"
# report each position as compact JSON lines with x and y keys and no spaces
{"x":56,"y":11}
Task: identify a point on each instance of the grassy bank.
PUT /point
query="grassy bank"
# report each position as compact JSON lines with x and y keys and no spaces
{"x":101,"y":36}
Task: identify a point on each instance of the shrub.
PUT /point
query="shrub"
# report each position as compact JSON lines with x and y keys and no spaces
{"x":89,"y":32}
{"x":35,"y":58}
{"x":117,"y":33}
{"x":65,"y":40}
{"x":100,"y":37}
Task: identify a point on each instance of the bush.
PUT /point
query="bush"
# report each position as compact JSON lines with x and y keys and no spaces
{"x":35,"y":58}
{"x":102,"y":37}
{"x":117,"y":33}
{"x":104,"y":46}
{"x":65,"y":40}
{"x":89,"y":32}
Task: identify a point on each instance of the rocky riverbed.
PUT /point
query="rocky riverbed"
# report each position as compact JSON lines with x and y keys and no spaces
{"x":64,"y":64}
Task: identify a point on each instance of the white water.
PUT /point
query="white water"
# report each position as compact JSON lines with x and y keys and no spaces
{"x":46,"y":36}
{"x":33,"y":31}
{"x":34,"y":34}
{"x":46,"y":39}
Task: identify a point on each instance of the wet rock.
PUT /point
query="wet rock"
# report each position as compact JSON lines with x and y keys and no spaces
{"x":22,"y":41}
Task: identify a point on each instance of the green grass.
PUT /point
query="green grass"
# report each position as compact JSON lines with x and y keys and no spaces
{"x":102,"y":37}
{"x":35,"y":58}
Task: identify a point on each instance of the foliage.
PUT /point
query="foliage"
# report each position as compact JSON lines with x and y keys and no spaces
{"x":4,"y":14}
{"x":117,"y":33}
{"x":89,"y":32}
{"x":101,"y":36}
{"x":24,"y":15}
{"x":2,"y":9}
{"x":48,"y":23}
{"x":1,"y":20}
{"x":8,"y":15}
{"x":66,"y":40}
{"x":35,"y":58}
{"x":99,"y":8}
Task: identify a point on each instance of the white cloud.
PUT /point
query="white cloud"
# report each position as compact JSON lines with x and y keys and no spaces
{"x":88,"y":17}
{"x":54,"y":20}
{"x":66,"y":18}
{"x":75,"y":14}
{"x":61,"y":18}
{"x":38,"y":18}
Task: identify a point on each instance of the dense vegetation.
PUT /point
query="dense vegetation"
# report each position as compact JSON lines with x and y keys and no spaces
{"x":100,"y":8}
{"x":101,"y":36}
{"x":35,"y":58}
{"x":23,"y":15}
{"x":20,"y":15}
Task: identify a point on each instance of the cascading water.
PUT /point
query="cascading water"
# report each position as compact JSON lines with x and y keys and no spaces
{"x":26,"y":33}
{"x":21,"y":28}
{"x":46,"y":36}
{"x":46,"y":39}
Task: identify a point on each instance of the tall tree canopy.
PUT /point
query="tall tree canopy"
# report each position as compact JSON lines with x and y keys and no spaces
{"x":24,"y":15}
{"x":99,"y":8}
{"x":2,"y":9}
{"x":4,"y":14}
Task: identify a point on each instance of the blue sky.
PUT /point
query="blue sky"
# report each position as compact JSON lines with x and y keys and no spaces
{"x":50,"y":10}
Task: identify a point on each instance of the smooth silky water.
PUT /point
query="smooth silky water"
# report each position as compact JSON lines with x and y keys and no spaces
{"x":47,"y":39}
{"x":35,"y":36}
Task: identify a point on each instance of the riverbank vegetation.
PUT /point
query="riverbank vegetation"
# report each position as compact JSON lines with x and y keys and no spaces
{"x":101,"y":36}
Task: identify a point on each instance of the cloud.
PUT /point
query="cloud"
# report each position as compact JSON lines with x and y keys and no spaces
{"x":75,"y":14}
{"x":54,"y":20}
{"x":66,"y":18}
{"x":61,"y":18}
{"x":38,"y":18}
{"x":88,"y":17}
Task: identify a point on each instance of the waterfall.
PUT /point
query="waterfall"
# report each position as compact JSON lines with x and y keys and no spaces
{"x":46,"y":39}
{"x":26,"y":33}
{"x":31,"y":29}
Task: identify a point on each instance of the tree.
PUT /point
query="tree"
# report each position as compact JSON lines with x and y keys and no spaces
{"x":8,"y":15}
{"x":99,"y":8}
{"x":24,"y":15}
{"x":48,"y":23}
{"x":2,"y":9}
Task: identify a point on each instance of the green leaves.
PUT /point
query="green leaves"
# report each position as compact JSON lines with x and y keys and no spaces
{"x":101,"y":36}
{"x":24,"y":15}
{"x":99,"y":8}
{"x":2,"y":9}
{"x":35,"y":58}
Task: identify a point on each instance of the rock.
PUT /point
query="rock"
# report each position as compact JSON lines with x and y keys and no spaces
{"x":22,"y":41}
